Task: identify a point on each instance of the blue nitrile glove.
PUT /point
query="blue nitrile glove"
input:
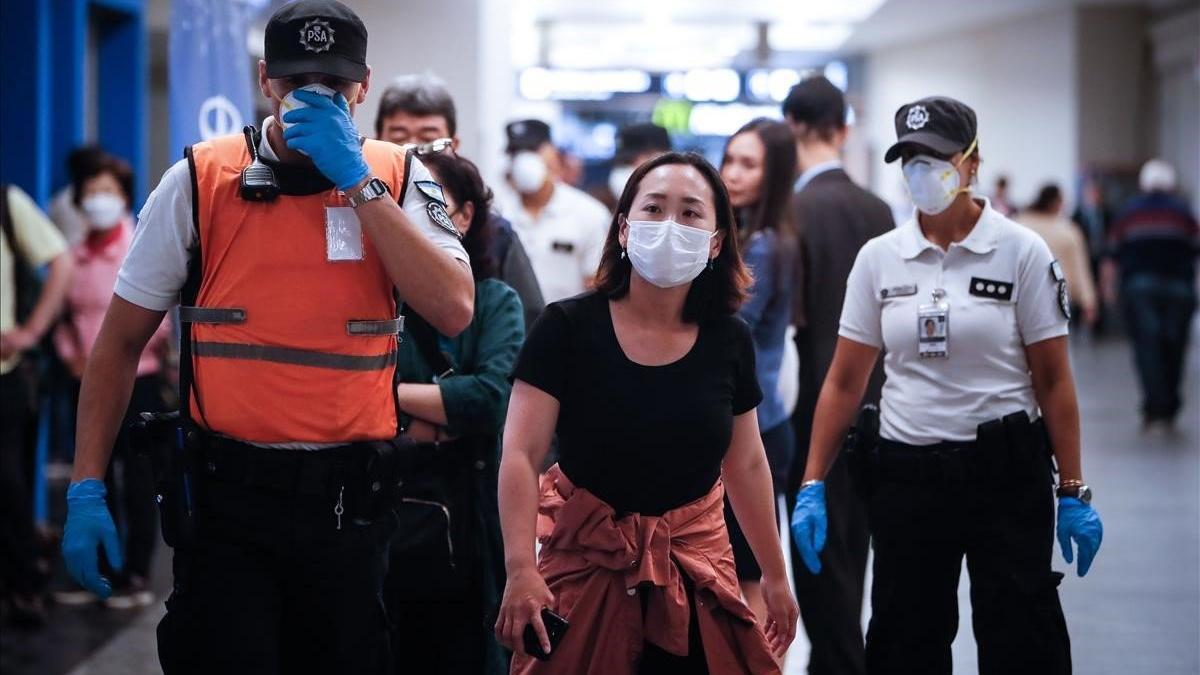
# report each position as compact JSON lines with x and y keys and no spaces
{"x":809,"y":523}
{"x":325,"y":132}
{"x":1080,"y":522}
{"x":90,"y":525}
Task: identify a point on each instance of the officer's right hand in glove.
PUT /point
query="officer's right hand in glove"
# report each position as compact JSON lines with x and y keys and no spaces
{"x":809,"y":524}
{"x":90,"y":525}
{"x":1080,"y":522}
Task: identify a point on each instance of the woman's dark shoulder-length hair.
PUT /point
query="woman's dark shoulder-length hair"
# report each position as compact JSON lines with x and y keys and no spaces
{"x":772,"y":212}
{"x":460,"y":177}
{"x":722,"y":287}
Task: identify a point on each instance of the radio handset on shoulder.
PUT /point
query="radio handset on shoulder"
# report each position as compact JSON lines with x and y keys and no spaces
{"x":258,"y":180}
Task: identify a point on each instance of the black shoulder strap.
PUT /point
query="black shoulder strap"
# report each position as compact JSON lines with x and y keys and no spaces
{"x":427,"y":341}
{"x":187,"y":298}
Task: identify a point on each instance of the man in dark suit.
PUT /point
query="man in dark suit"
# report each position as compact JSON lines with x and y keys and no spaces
{"x":835,"y":218}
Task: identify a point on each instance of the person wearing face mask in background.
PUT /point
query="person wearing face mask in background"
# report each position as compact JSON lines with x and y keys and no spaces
{"x":758,"y":168}
{"x":418,"y":109}
{"x":64,"y":210}
{"x":561,"y":227}
{"x":978,"y":407}
{"x":649,"y":381}
{"x":103,"y":192}
{"x":636,"y":143}
{"x":834,"y":218}
{"x":291,"y":251}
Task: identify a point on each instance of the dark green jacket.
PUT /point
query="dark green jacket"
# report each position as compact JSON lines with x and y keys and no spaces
{"x":476,"y":401}
{"x":476,"y":395}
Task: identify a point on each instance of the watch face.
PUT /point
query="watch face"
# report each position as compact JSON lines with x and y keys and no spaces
{"x":1085,"y":494}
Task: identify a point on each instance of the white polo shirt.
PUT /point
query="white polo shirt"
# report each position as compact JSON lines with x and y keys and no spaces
{"x":156,"y":267}
{"x":1002,"y":293}
{"x":564,"y":242}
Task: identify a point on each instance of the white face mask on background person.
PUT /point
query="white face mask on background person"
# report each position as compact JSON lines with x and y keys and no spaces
{"x":617,"y":178}
{"x":528,"y":172}
{"x":665,"y":253}
{"x":103,"y":210}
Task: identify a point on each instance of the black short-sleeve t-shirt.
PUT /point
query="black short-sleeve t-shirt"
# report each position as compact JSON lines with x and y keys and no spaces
{"x":645,"y":439}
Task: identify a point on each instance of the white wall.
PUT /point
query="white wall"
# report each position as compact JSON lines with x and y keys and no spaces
{"x":464,"y":42}
{"x":1019,"y":77}
{"x":1177,"y":66}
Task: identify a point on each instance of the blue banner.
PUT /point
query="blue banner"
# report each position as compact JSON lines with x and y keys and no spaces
{"x":210,"y":74}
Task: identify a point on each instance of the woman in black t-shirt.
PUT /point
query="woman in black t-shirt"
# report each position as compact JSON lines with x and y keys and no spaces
{"x":649,"y":382}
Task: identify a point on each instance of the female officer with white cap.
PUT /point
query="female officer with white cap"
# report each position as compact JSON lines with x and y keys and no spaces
{"x":972,"y":313}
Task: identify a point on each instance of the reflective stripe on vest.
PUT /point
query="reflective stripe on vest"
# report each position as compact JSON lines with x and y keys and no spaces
{"x":287,"y":346}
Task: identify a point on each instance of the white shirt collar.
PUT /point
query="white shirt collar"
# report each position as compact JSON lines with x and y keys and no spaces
{"x":265,"y":151}
{"x":814,"y":171}
{"x":982,"y":238}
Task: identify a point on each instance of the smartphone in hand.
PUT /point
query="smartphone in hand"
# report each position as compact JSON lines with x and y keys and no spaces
{"x":556,"y":627}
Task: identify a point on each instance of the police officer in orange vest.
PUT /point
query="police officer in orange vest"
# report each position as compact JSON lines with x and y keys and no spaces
{"x":290,"y":250}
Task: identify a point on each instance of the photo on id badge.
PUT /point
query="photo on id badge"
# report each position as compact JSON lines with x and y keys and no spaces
{"x":933,"y":329}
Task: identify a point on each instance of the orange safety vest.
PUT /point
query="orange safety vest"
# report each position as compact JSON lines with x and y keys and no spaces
{"x":288,"y":347}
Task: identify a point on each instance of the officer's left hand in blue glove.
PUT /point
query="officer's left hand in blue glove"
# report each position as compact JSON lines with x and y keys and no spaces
{"x":90,"y":525}
{"x":1080,"y":522}
{"x":326,"y":133}
{"x":809,"y":523}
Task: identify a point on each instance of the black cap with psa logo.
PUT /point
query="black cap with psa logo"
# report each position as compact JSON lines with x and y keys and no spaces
{"x":937,"y":123}
{"x":316,"y":36}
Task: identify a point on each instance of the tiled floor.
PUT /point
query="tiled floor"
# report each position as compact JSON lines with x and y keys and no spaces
{"x":1138,"y":611}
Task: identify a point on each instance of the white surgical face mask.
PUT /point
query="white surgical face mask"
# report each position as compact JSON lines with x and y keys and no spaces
{"x":103,"y":210}
{"x":290,"y":102}
{"x":666,"y":253}
{"x":528,"y":172}
{"x":617,"y":178}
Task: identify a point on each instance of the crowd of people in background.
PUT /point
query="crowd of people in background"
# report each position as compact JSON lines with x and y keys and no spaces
{"x":798,"y":223}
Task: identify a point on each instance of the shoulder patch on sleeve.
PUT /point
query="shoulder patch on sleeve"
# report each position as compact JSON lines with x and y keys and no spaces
{"x":1056,"y":271}
{"x":1064,"y":298}
{"x":437,"y":213}
{"x":431,"y":190}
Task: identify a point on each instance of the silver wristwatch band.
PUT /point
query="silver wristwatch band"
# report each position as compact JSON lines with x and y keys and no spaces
{"x":374,"y":189}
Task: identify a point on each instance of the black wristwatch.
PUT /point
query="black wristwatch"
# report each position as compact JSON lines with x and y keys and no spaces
{"x":1081,"y":492}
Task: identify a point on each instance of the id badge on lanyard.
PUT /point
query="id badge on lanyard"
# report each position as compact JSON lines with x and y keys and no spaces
{"x":933,"y":327}
{"x":343,"y":231}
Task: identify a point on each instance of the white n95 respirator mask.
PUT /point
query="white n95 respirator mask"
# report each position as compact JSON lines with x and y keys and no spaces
{"x":934,"y":183}
{"x":289,"y":102}
{"x":667,"y":254}
{"x":528,"y":172}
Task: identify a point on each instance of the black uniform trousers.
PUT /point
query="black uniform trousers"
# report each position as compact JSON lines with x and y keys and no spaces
{"x":272,"y":585}
{"x":922,"y":525}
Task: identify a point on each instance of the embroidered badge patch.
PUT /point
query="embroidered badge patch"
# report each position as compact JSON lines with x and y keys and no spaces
{"x":917,"y":118}
{"x":437,"y":213}
{"x":316,"y":36}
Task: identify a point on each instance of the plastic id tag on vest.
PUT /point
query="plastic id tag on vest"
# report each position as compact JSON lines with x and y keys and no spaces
{"x":343,"y":234}
{"x":933,"y":328}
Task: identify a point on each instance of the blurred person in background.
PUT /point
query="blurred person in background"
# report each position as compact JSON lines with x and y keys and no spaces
{"x":571,"y":167}
{"x":64,"y":208}
{"x":834,"y":218}
{"x":650,"y":383}
{"x":418,"y":109}
{"x":1069,"y":247}
{"x":1000,"y":199}
{"x":1093,"y":217}
{"x":636,"y":143}
{"x":1153,"y":244}
{"x":759,"y":168}
{"x":28,"y":309}
{"x":561,"y":227}
{"x":447,"y":560}
{"x":103,"y":191}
